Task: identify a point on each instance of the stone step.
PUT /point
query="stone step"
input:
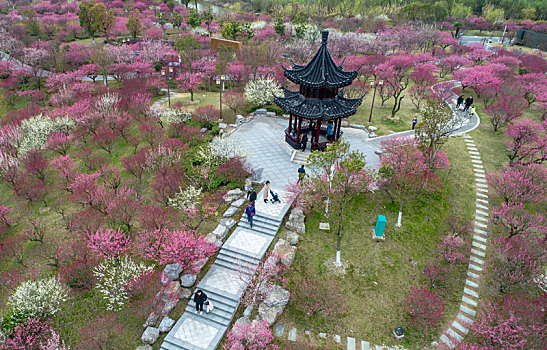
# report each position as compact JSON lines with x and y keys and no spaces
{"x":485,"y":201}
{"x":468,"y":310}
{"x":447,"y":341}
{"x":171,"y":343}
{"x":185,"y":345}
{"x":238,"y":266}
{"x":454,"y":335}
{"x":469,"y":300}
{"x":239,"y":255}
{"x":478,"y":245}
{"x":365,"y":345}
{"x":466,"y":320}
{"x":224,"y":309}
{"x":481,"y":195}
{"x":480,"y":232}
{"x":478,"y":252}
{"x":472,"y":274}
{"x":266,"y":219}
{"x":218,"y":295}
{"x":476,"y":260}
{"x":258,"y":227}
{"x":219,"y":316}
{"x":478,"y":205}
{"x":471,"y":292}
{"x":471,"y":284}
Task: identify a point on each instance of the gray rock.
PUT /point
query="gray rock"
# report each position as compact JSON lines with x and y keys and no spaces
{"x":269,"y":314}
{"x":357,"y":126}
{"x":211,"y":238}
{"x":152,"y":320}
{"x":166,"y":324}
{"x":248,"y":183}
{"x":256,"y":174}
{"x":187,"y":280}
{"x":248,"y":310}
{"x":337,"y":338}
{"x":277,"y":296}
{"x":228,"y":223}
{"x":261,"y":111}
{"x":299,"y":227}
{"x":323,"y":335}
{"x":292,"y":334}
{"x":345,"y":123}
{"x":164,"y":279}
{"x":229,"y":212}
{"x":279,"y":330}
{"x":240,"y":322}
{"x":170,"y":305}
{"x":378,"y":152}
{"x":144,"y":347}
{"x":150,"y":335}
{"x":372,"y":135}
{"x":203,"y":130}
{"x":372,"y":128}
{"x":222,"y":125}
{"x":220,"y":231}
{"x":170,"y":292}
{"x":172,"y":271}
{"x":232,"y":195}
{"x":292,"y":238}
{"x":240,"y":119}
{"x":285,"y":252}
{"x":270,"y":114}
{"x":185,"y":293}
{"x":239,"y":202}
{"x":234,"y":125}
{"x":308,"y":333}
{"x":297,"y":215}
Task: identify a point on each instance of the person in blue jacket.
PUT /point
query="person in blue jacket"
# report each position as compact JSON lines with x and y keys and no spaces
{"x":250,"y":212}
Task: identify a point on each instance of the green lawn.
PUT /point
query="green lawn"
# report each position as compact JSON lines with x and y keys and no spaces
{"x":379,"y":275}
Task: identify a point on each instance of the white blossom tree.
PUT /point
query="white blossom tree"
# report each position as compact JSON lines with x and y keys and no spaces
{"x":261,"y":91}
{"x":38,"y":299}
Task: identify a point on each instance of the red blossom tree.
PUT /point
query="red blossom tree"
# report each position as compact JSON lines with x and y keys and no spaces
{"x":234,"y":100}
{"x":505,"y":110}
{"x":190,"y":81}
{"x":527,"y":141}
{"x":108,"y":243}
{"x":254,"y":336}
{"x":175,"y":246}
{"x":424,"y":310}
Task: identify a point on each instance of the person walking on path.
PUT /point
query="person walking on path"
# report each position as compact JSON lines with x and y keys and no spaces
{"x":251,"y":195}
{"x":459,"y":101}
{"x":200,"y":298}
{"x":301,"y":174}
{"x":468,"y":103}
{"x":472,"y":112}
{"x":414,"y":122}
{"x":250,"y":212}
{"x":266,"y":192}
{"x":304,"y":142}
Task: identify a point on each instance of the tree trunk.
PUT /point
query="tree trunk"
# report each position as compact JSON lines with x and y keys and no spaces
{"x":396,"y":106}
{"x":338,"y":238}
{"x":400,"y":215}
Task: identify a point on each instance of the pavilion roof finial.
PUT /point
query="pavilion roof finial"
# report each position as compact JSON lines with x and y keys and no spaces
{"x":324,"y":37}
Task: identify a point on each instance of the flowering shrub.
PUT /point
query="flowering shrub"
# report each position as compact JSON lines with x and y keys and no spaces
{"x":162,"y":156}
{"x":28,"y":335}
{"x":36,"y":129}
{"x":108,"y":243}
{"x":185,"y":199}
{"x":41,"y":298}
{"x":113,"y":276}
{"x":254,"y":336}
{"x":169,"y":115}
{"x":261,"y":91}
{"x":424,"y":310}
{"x":220,"y":150}
{"x":206,"y":115}
{"x":233,"y":171}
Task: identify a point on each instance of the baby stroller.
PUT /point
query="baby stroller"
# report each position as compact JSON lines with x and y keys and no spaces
{"x":275,"y":197}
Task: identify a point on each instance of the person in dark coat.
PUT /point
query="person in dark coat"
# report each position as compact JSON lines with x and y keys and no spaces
{"x":468,"y":103}
{"x":304,"y":142}
{"x":250,"y":212}
{"x":459,"y":101}
{"x":414,"y":122}
{"x":200,"y":298}
{"x":301,"y":173}
{"x":251,"y":195}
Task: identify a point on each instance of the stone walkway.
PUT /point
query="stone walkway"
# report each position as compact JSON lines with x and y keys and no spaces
{"x":460,"y":326}
{"x":223,"y":283}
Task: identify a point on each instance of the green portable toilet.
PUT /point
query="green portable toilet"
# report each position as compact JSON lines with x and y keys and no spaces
{"x":380,"y":226}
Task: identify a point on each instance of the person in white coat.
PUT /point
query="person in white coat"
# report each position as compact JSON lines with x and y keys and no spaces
{"x":209,"y":306}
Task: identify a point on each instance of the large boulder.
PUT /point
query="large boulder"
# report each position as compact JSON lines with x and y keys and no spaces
{"x":227,"y":222}
{"x":277,"y":296}
{"x":230,"y":212}
{"x":168,"y":306}
{"x":188,"y":280}
{"x":238,"y":203}
{"x":185,"y":293}
{"x":172,"y":271}
{"x":285,"y":252}
{"x":211,"y":238}
{"x":164,"y":279}
{"x":170,"y":292}
{"x":296,"y":221}
{"x":150,"y":335}
{"x":240,"y":119}
{"x":256,"y":174}
{"x":220,"y":231}
{"x":166,"y":324}
{"x":152,"y":320}
{"x":292,"y":238}
{"x":232,"y":195}
{"x":269,"y":313}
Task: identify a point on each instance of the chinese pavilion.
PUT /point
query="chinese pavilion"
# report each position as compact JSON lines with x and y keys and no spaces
{"x":318,"y":102}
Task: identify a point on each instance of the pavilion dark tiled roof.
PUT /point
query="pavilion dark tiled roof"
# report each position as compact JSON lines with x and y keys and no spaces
{"x":310,"y":108}
{"x":321,"y":71}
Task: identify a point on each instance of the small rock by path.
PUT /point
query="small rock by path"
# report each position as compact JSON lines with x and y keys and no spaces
{"x":292,"y":334}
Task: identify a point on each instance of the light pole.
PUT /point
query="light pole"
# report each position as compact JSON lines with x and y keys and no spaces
{"x":168,"y":76}
{"x":374,"y":85}
{"x":220,"y":82}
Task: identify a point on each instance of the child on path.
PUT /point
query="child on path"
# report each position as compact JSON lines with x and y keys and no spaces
{"x":199,"y":298}
{"x":266,"y":192}
{"x":250,"y":212}
{"x":209,"y":306}
{"x":472,"y":111}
